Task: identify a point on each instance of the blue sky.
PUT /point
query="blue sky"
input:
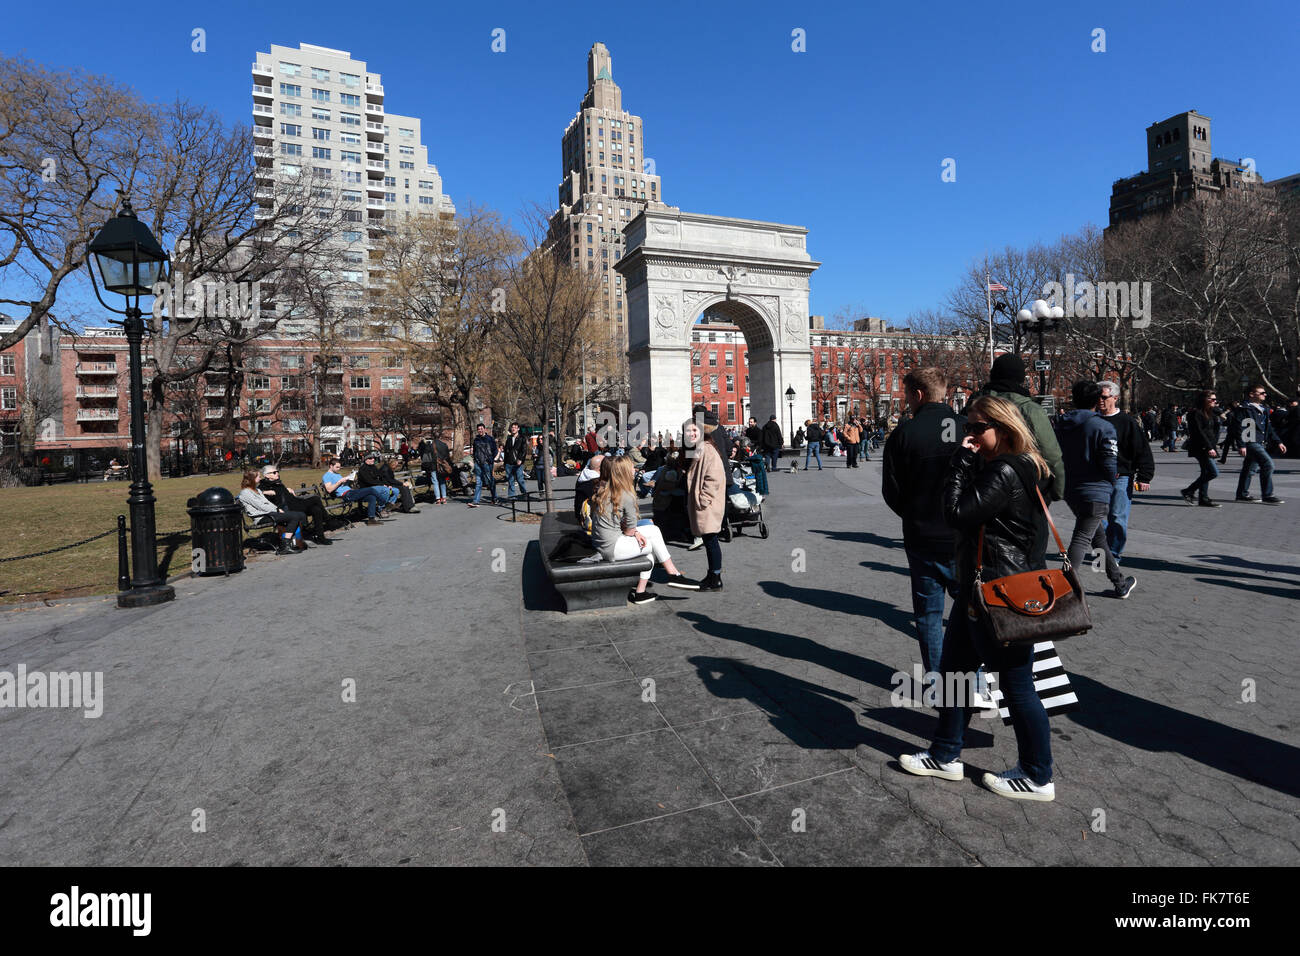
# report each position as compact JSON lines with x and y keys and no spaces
{"x":846,"y":138}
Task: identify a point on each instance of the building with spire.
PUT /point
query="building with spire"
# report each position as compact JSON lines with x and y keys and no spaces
{"x":607,"y":180}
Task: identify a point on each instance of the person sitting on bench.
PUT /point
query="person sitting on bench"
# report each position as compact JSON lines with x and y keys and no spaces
{"x":369,"y":476}
{"x":310,"y":505}
{"x":403,"y":487}
{"x":257,"y":506}
{"x":588,"y":479}
{"x":336,"y":484}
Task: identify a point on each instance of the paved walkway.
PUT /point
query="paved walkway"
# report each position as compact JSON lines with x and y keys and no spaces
{"x":765,"y":737}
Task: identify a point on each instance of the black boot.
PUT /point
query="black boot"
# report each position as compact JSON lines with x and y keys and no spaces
{"x":711,"y":582}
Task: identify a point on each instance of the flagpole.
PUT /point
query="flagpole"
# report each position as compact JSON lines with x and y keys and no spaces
{"x":988,"y":302}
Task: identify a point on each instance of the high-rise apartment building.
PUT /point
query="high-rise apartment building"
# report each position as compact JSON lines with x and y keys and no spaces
{"x":607,"y":181}
{"x":1180,"y":166}
{"x":318,"y":112}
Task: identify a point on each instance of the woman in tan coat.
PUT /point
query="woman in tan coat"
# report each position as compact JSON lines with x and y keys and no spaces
{"x":706,"y":497}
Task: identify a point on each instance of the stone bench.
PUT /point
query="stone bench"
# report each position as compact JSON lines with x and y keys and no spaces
{"x":584,"y":585}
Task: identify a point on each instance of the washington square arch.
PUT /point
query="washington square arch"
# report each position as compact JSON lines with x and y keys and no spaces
{"x":754,"y":274}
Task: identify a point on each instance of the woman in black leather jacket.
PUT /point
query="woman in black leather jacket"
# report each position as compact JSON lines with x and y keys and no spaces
{"x":991,"y":483}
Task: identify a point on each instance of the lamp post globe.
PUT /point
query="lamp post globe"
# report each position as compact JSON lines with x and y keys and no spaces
{"x":130,"y":260}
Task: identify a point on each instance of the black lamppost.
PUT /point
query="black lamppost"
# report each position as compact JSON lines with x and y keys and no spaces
{"x":1042,"y":313}
{"x":130,"y":261}
{"x":789,"y":398}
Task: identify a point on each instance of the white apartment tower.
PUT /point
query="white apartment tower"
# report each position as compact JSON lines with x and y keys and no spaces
{"x":607,"y":181}
{"x":318,"y":112}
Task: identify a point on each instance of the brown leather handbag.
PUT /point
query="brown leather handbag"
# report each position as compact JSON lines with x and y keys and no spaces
{"x":1032,"y":605}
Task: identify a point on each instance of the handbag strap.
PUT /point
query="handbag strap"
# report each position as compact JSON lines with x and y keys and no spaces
{"x":1060,"y":545}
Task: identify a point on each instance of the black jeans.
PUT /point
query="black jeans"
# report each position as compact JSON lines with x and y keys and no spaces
{"x":714,"y":550}
{"x":311,"y":507}
{"x":852,"y":448}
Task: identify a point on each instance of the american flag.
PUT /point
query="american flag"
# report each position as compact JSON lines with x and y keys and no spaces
{"x":997,"y":287}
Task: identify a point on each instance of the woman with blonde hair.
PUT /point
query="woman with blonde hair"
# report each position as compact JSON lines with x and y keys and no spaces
{"x":993,"y":487}
{"x":615,"y":533}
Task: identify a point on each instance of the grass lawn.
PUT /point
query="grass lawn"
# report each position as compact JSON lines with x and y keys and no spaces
{"x":44,"y":517}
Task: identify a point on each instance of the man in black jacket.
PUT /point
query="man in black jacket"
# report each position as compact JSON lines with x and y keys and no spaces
{"x":369,"y":475}
{"x":754,"y":434}
{"x":485,"y":455}
{"x":1137,"y":466}
{"x":310,"y":505}
{"x":514,"y":451}
{"x":404,"y":489}
{"x":773,"y":442}
{"x":815,"y":437}
{"x":913,"y":469}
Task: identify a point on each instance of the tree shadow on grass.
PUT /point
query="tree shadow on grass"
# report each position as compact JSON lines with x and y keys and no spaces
{"x":1148,"y":725}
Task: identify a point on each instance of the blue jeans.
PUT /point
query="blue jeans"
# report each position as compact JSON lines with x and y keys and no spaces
{"x":483,"y":476}
{"x":515,"y":473}
{"x":772,"y":458}
{"x":437,"y":485}
{"x":965,"y":647}
{"x":814,"y":451}
{"x":1257,"y":457}
{"x":1209,"y":471}
{"x":371,"y":496}
{"x":931,"y":579}
{"x":1121,"y":502}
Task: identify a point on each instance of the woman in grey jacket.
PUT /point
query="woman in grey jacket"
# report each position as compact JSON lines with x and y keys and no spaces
{"x":615,"y":533}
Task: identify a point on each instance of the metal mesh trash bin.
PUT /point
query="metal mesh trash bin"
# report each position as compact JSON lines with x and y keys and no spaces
{"x":216,"y":532}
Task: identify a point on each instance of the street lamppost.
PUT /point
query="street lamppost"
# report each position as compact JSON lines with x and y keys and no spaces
{"x":130,"y":261}
{"x":1039,"y":315}
{"x":789,"y":398}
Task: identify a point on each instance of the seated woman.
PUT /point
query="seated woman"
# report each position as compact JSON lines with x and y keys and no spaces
{"x":257,"y":505}
{"x":615,"y":533}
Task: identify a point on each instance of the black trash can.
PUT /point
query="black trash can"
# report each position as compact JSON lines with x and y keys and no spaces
{"x":217,"y":529}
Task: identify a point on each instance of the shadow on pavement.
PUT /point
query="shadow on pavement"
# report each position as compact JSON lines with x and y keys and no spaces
{"x":844,"y":602}
{"x":1291,"y":592}
{"x":860,"y":537}
{"x":1147,"y":725}
{"x":1242,"y":562}
{"x":539,"y":592}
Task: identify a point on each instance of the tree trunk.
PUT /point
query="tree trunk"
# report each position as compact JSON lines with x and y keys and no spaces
{"x":153,"y":418}
{"x":27,"y":430}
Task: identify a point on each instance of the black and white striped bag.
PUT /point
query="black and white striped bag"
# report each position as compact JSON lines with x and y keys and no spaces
{"x":1050,"y":681}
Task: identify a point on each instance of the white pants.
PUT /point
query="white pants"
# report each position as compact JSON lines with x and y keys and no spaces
{"x":626,"y":547}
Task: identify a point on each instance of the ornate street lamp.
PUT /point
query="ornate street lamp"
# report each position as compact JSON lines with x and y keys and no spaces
{"x":789,"y":397}
{"x":130,"y":260}
{"x":1042,"y":313}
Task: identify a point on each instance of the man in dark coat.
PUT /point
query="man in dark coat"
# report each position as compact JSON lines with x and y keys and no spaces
{"x":773,"y":442}
{"x":310,"y":505}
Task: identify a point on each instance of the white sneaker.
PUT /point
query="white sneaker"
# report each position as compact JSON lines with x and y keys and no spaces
{"x":1014,"y":785}
{"x":696,"y":544}
{"x":923,"y":765}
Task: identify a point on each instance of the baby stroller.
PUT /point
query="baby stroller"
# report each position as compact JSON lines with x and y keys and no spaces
{"x":744,"y":504}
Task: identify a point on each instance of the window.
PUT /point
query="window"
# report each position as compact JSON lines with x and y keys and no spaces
{"x":695,"y":358}
{"x":713,"y":358}
{"x":259,"y":383}
{"x":361,"y":361}
{"x":390,"y":197}
{"x":426,"y":200}
{"x":290,"y":89}
{"x":352,"y":236}
{"x":731,"y":383}
{"x":348,"y":156}
{"x":361,"y":381}
{"x":291,"y":149}
{"x":713,"y":382}
{"x":320,"y":134}
{"x":290,"y":129}
{"x":351,"y":176}
{"x":729,"y":358}
{"x":392,"y":361}
{"x":318,"y":152}
{"x":350,"y":79}
{"x":9,"y":399}
{"x":291,"y":361}
{"x":426,"y":184}
{"x":695,"y":383}
{"x":350,"y":119}
{"x":406,"y":150}
{"x":352,"y":138}
{"x":318,"y":74}
{"x":7,"y":364}
{"x":359,"y":402}
{"x":731,"y":411}
{"x":390,"y":381}
{"x":320,"y":96}
{"x":349,"y":99}
{"x":290,"y":69}
{"x":405,"y":165}
{"x":319,"y":114}
{"x":290,"y":109}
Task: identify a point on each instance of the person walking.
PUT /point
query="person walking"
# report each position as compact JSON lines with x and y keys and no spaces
{"x":1007,"y":380}
{"x":815,"y":439}
{"x":864,"y":453}
{"x":914,"y":467}
{"x":1202,"y":439}
{"x":1251,"y":431}
{"x":435,"y":459}
{"x":773,"y":442}
{"x":992,"y":489}
{"x":485,"y":455}
{"x":1135,"y":464}
{"x":852,"y":437}
{"x":706,"y":489}
{"x":515,"y":450}
{"x":1089,"y":449}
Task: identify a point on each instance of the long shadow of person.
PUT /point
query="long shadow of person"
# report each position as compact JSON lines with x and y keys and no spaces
{"x":844,"y":602}
{"x":860,"y":537}
{"x":1156,"y":727}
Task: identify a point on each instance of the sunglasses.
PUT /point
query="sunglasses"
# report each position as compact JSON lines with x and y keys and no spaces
{"x":978,"y":428}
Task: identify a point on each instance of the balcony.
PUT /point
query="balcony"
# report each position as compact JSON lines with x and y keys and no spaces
{"x":375,"y":165}
{"x":96,"y":391}
{"x":263,"y":109}
{"x":97,"y":415}
{"x":375,"y":186}
{"x":216,"y":413}
{"x":263,"y":132}
{"x":374,"y":89}
{"x":264,"y":173}
{"x":373,"y":127}
{"x":262,"y":69}
{"x":263,"y":91}
{"x":263,"y":154}
{"x":374,"y":146}
{"x":375,"y":109}
{"x":264,"y":192}
{"x":97,"y":368}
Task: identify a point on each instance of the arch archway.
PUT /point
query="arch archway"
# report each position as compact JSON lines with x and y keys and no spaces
{"x":753,"y":273}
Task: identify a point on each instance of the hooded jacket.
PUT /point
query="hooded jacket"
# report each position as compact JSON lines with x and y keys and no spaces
{"x":1090,"y":451}
{"x":1039,"y":424}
